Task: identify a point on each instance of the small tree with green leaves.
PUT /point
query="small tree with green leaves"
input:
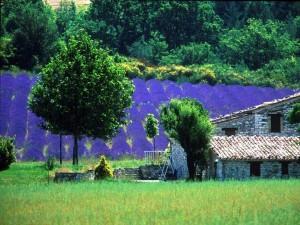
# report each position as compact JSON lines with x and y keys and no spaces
{"x":151,"y":127}
{"x":187,"y":121}
{"x":294,"y":115}
{"x":7,"y":152}
{"x":82,"y":92}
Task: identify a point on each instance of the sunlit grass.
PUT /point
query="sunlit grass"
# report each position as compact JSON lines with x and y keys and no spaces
{"x":35,"y":172}
{"x":120,"y":202}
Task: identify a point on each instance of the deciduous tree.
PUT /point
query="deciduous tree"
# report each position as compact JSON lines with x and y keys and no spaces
{"x":151,"y":127}
{"x":82,"y":92}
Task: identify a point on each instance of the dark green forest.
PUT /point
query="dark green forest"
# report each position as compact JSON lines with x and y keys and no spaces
{"x":248,"y":43}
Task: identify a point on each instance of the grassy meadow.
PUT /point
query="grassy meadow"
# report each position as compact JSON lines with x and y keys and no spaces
{"x":26,"y":198}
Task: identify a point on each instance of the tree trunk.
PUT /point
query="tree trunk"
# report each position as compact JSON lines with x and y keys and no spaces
{"x":60,"y":151}
{"x":75,"y":150}
{"x":191,"y":167}
{"x":154,"y":143}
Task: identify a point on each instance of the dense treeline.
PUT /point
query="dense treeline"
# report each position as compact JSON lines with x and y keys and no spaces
{"x":229,"y":42}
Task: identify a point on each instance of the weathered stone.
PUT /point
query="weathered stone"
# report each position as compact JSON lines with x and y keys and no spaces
{"x":237,"y":169}
{"x":179,"y":162}
{"x":258,"y":123}
{"x":127,"y":173}
{"x":150,"y":172}
{"x":74,"y":176}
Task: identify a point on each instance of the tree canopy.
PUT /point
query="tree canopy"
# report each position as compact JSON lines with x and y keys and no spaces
{"x":82,"y":92}
{"x":188,"y":122}
{"x":248,"y":43}
{"x":33,"y":32}
{"x":257,"y":43}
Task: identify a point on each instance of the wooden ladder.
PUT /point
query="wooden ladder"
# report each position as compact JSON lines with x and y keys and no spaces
{"x":167,"y":164}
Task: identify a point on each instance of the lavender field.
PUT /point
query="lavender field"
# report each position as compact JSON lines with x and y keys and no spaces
{"x":33,"y":143}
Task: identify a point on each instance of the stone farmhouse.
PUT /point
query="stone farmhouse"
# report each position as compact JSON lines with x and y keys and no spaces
{"x":256,"y":142}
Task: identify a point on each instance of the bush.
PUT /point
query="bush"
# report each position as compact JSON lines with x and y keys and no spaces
{"x":133,"y":68}
{"x":204,"y":74}
{"x":194,"y":53}
{"x":152,"y":50}
{"x":103,"y":169}
{"x":171,"y":72}
{"x":7,"y":152}
{"x":279,"y":73}
{"x":50,"y":163}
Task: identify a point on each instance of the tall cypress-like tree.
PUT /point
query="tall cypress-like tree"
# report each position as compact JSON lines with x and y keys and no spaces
{"x":82,"y":92}
{"x":187,"y":121}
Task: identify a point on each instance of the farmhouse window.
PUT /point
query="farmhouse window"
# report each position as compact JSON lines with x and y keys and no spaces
{"x":255,"y":169}
{"x":230,"y":131}
{"x":275,"y":123}
{"x":284,"y":168}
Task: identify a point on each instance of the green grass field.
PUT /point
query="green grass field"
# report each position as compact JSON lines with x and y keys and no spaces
{"x":26,"y":198}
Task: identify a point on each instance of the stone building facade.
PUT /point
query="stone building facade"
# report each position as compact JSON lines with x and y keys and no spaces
{"x":269,"y":118}
{"x":242,"y":157}
{"x":233,"y":169}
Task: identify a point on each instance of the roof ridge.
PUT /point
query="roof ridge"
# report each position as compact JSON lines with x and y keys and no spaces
{"x":264,"y":104}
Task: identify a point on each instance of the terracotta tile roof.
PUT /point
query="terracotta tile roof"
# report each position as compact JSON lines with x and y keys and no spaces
{"x":292,"y":98}
{"x":256,"y":147}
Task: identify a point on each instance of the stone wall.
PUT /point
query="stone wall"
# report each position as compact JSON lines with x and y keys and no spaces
{"x":294,"y":169}
{"x":259,"y":123}
{"x":245,"y":125}
{"x":241,"y":169}
{"x":179,"y":162}
{"x":74,"y":176}
{"x":232,"y":170}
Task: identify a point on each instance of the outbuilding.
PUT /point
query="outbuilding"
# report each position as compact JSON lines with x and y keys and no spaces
{"x":242,"y":157}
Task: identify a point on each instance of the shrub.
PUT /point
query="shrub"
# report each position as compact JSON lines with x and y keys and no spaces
{"x":279,"y":73}
{"x":294,"y":115}
{"x":50,"y":163}
{"x":204,"y":73}
{"x":171,"y":72}
{"x":152,"y":50}
{"x":103,"y":169}
{"x":7,"y":152}
{"x":193,"y":53}
{"x":133,"y":68}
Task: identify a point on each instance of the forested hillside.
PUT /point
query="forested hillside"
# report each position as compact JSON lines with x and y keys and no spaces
{"x":227,"y":42}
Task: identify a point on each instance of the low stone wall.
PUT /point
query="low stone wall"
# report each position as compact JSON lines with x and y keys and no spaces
{"x":74,"y":176}
{"x":150,"y":172}
{"x":127,"y":173}
{"x":146,"y":172}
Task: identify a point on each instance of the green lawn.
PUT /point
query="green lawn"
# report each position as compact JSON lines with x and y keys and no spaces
{"x":33,"y":201}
